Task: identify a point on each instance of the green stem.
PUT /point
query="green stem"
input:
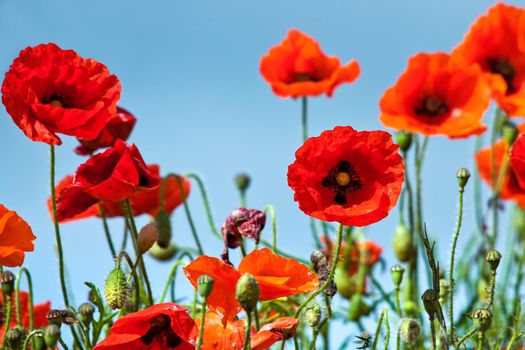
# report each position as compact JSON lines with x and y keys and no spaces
{"x":269,"y":208}
{"x":17,"y":297}
{"x":207,"y":209}
{"x":171,"y":276}
{"x":451,"y":272}
{"x":387,"y":325}
{"x":106,"y":230}
{"x":203,"y":321}
{"x":515,"y":330}
{"x":242,"y":198}
{"x":378,"y":328}
{"x":29,"y":336}
{"x":492,"y":288}
{"x":433,"y":332}
{"x":481,"y":339}
{"x":133,"y":274}
{"x":330,"y":276}
{"x":61,"y":341}
{"x":304,"y":117}
{"x":7,"y":318}
{"x":398,"y":302}
{"x":248,"y":329}
{"x":466,"y":336}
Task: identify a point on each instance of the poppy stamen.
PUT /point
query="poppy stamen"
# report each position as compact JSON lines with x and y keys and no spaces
{"x":503,"y":67}
{"x":161,"y":327}
{"x":341,"y":179}
{"x":431,"y":106}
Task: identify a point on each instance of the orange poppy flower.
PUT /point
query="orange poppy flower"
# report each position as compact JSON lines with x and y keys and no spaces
{"x":517,"y":160}
{"x":16,"y":237}
{"x":493,"y":44}
{"x":351,"y":263}
{"x":298,"y":67}
{"x":352,"y":177}
{"x":232,"y":336}
{"x":39,"y":312}
{"x":277,"y":277}
{"x":510,"y":188}
{"x":437,"y":95}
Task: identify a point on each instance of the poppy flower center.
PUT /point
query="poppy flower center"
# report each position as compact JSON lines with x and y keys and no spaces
{"x":503,"y":67}
{"x":161,"y":331}
{"x":431,"y":106}
{"x":54,"y":100}
{"x":302,"y":77}
{"x":342,"y":179}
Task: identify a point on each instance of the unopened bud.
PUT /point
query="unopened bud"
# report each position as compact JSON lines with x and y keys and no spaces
{"x":163,"y":254}
{"x":493,"y":258}
{"x":205,"y":285}
{"x":510,"y":132}
{"x":242,"y":181}
{"x":8,"y":282}
{"x":69,"y":317}
{"x":147,"y":237}
{"x":404,"y":140}
{"x":409,"y":330}
{"x":312,"y":314}
{"x":163,"y":221}
{"x":247,"y":292}
{"x":86,"y":311}
{"x":117,"y":289}
{"x":463,"y":175}
{"x":51,"y":335}
{"x":397,"y":272}
{"x":429,"y":298}
{"x":403,"y":244}
{"x":482,"y":319}
{"x":13,"y":338}
{"x":38,"y":342}
{"x":55,"y":317}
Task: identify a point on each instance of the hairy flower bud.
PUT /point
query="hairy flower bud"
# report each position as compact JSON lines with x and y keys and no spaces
{"x":51,"y":335}
{"x":409,"y":330}
{"x":117,"y":289}
{"x":463,"y":175}
{"x":163,"y":254}
{"x":205,"y":285}
{"x":247,"y":292}
{"x":312,"y":314}
{"x":430,"y":298}
{"x":8,"y":282}
{"x":163,"y":234}
{"x":397,"y":272}
{"x":493,"y":258}
{"x":13,"y":337}
{"x":403,"y":244}
{"x":86,"y":311}
{"x":482,"y":319}
{"x":404,"y":140}
{"x":147,"y":237}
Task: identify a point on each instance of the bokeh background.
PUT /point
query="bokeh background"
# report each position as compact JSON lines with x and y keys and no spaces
{"x":190,"y":74}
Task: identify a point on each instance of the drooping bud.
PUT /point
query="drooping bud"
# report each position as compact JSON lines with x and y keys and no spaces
{"x":397,"y":272}
{"x":163,"y":221}
{"x":312,"y":314}
{"x":463,"y":175}
{"x":51,"y":335}
{"x":321,"y":266}
{"x":409,"y":330}
{"x":430,"y":298}
{"x":205,"y":285}
{"x":242,"y":181}
{"x":247,"y":292}
{"x":8,"y":282}
{"x":404,"y":140}
{"x":493,"y":258}
{"x":403,"y":244}
{"x":117,"y":289}
{"x":13,"y":338}
{"x":163,"y":254}
{"x":510,"y":132}
{"x":147,"y":237}
{"x":86,"y":311}
{"x":55,"y":317}
{"x":482,"y":319}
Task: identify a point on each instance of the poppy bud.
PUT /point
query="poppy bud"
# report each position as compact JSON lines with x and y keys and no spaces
{"x":163,"y":221}
{"x":163,"y":254}
{"x":493,"y":258}
{"x":312,"y":314}
{"x":205,"y":285}
{"x":38,"y":342}
{"x":409,"y":330}
{"x":242,"y":181}
{"x":510,"y":132}
{"x":51,"y":335}
{"x":429,"y":298}
{"x":463,"y":175}
{"x":147,"y":236}
{"x":8,"y":282}
{"x":482,"y":319}
{"x":117,"y":289}
{"x":403,"y":245}
{"x":404,"y":140}
{"x":397,"y":272}
{"x":13,"y":338}
{"x":86,"y":311}
{"x":358,"y":308}
{"x":54,"y":317}
{"x":247,"y":292}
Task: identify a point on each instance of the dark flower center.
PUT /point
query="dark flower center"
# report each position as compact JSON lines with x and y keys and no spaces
{"x":161,"y":331}
{"x":342,"y":179}
{"x":432,"y":107}
{"x":302,"y":77}
{"x":503,"y":67}
{"x":54,"y":100}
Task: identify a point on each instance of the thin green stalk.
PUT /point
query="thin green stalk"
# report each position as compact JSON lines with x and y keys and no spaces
{"x":378,"y":328}
{"x":398,"y":302}
{"x":269,"y":209}
{"x":248,"y":329}
{"x":242,"y":199}
{"x":29,"y":336}
{"x":106,"y":230}
{"x":492,"y":288}
{"x":17,"y":297}
{"x":481,"y":339}
{"x":315,"y":333}
{"x":469,"y":334}
{"x":133,"y":274}
{"x":61,"y":341}
{"x":171,"y":276}
{"x":387,"y":325}
{"x":207,"y":209}
{"x":330,"y":276}
{"x":7,"y":318}
{"x":433,"y":332}
{"x":304,"y":117}
{"x":413,"y":266}
{"x":203,"y":321}
{"x":451,"y":272}
{"x":398,"y":339}
{"x":515,"y":329}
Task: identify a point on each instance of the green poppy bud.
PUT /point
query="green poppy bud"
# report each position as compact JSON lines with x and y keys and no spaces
{"x":13,"y":338}
{"x":117,"y":289}
{"x":482,"y":319}
{"x":463,"y":175}
{"x":403,"y":244}
{"x":163,"y":254}
{"x":8,"y":282}
{"x":493,"y":258}
{"x":510,"y":132}
{"x":242,"y":182}
{"x":312,"y":314}
{"x":86,"y":311}
{"x":51,"y":335}
{"x":163,"y":221}
{"x":397,"y":272}
{"x":404,"y":140}
{"x":205,"y":285}
{"x":247,"y":292}
{"x":410,"y":330}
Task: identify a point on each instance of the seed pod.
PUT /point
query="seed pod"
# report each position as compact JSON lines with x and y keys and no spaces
{"x":55,"y":317}
{"x":397,"y":272}
{"x":482,"y":318}
{"x":409,"y":330}
{"x":247,"y":292}
{"x":205,"y":285}
{"x":147,"y":237}
{"x":462,"y":175}
{"x":117,"y":289}
{"x":321,"y":266}
{"x":8,"y":282}
{"x":493,"y":258}
{"x":242,"y":181}
{"x":346,"y":285}
{"x":403,"y":244}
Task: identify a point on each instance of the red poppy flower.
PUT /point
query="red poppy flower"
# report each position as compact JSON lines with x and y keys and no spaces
{"x":277,"y":277}
{"x":510,"y":188}
{"x":352,"y":177}
{"x":16,"y":237}
{"x":161,"y":326}
{"x":297,"y":67}
{"x":437,"y":96}
{"x":219,"y":337}
{"x":118,"y":127}
{"x":48,"y":90}
{"x":39,"y":312}
{"x":493,"y":44}
{"x":113,"y":175}
{"x":351,"y":262}
{"x":517,"y":160}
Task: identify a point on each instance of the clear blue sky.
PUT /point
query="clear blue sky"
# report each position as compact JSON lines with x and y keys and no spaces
{"x":190,"y":74}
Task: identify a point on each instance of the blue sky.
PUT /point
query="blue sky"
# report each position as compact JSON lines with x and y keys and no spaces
{"x":190,"y":74}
